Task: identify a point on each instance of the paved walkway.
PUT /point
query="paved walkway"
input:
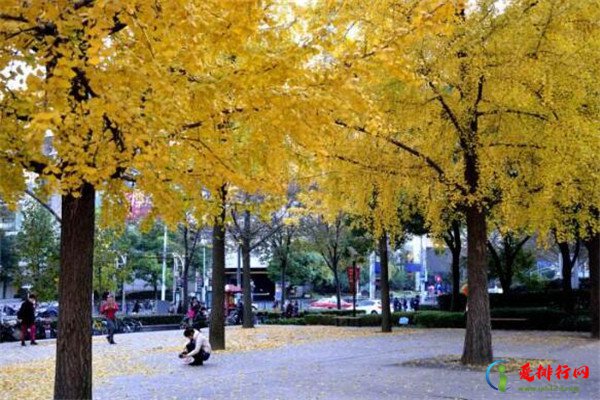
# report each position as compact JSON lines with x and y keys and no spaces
{"x":357,"y":368}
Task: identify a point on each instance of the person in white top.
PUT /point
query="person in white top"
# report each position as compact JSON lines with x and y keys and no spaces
{"x":198,"y":347}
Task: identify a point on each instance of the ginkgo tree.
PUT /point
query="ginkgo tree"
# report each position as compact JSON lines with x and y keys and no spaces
{"x":465,"y":114}
{"x":95,"y":93}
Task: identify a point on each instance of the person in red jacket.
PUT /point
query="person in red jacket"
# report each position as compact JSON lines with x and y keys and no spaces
{"x":109,"y":308}
{"x":27,"y":316}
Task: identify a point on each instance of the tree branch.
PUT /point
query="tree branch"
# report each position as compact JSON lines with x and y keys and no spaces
{"x":46,"y":206}
{"x":15,"y":18}
{"x":517,"y":145}
{"x":576,"y":252}
{"x":426,"y":159}
{"x":447,"y":108}
{"x":511,"y":111}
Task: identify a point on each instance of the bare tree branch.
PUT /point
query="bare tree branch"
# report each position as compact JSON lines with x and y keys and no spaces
{"x":46,"y":206}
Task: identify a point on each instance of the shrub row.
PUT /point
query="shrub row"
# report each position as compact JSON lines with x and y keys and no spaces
{"x":332,"y":312}
{"x":160,"y":319}
{"x":285,"y":321}
{"x":549,"y":298}
{"x":534,"y":319}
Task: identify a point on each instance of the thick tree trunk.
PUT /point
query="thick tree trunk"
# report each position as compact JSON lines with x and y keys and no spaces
{"x":567,"y":270}
{"x":338,"y":289}
{"x":386,"y":317}
{"x":506,"y":276}
{"x":593,"y":248}
{"x":217,"y":314}
{"x":456,"y":248}
{"x":184,"y":283}
{"x":478,"y":338}
{"x":184,"y":273}
{"x":247,"y":288}
{"x":73,"y":376}
{"x":283,"y":268}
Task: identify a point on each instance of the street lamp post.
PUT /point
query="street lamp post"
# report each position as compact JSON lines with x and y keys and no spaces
{"x":122,"y":260}
{"x":163,"y":287}
{"x":176,"y":258}
{"x":203,"y":244}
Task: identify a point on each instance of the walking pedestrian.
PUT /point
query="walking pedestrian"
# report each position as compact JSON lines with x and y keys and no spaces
{"x":240,"y":312}
{"x":26,"y":315}
{"x":109,"y":308}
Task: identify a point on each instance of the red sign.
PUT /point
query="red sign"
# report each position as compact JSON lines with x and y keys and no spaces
{"x":353,"y":277}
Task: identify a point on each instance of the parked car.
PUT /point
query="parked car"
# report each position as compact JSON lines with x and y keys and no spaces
{"x":369,"y":306}
{"x":328,"y":303}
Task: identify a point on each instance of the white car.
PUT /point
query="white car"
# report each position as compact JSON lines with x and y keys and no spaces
{"x":369,"y":306}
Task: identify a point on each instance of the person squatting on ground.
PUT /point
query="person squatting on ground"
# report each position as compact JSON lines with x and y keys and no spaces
{"x":27,"y":316}
{"x":109,"y":308}
{"x":198,"y":348}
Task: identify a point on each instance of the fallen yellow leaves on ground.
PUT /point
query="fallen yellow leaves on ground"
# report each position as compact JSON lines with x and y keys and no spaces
{"x":34,"y":379}
{"x":273,"y":336}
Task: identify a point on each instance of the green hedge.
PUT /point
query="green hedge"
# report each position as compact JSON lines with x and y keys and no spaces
{"x":544,"y":299}
{"x":535,"y":319}
{"x":552,"y":298}
{"x":319,"y":319}
{"x":269,"y":314}
{"x":332,"y":312}
{"x":445,"y":301}
{"x":162,"y":319}
{"x":285,"y":321}
{"x":439,"y":319}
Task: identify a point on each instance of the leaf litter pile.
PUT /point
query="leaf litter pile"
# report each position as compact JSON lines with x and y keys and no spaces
{"x":453,"y":362}
{"x":34,"y":379}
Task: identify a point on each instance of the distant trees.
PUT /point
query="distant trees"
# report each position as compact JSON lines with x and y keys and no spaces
{"x":37,"y":245}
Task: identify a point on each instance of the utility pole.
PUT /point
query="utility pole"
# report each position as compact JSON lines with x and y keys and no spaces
{"x":238,"y":275}
{"x":123,"y":265}
{"x":163,"y":288}
{"x":203,"y":271}
{"x":372,"y":260}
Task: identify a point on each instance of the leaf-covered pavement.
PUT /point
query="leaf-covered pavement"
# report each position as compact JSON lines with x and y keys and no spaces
{"x":33,"y":378}
{"x":291,"y":362}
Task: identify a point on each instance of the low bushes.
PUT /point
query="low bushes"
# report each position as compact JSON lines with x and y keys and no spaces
{"x":163,"y":319}
{"x":319,"y":319}
{"x":285,"y":321}
{"x":533,"y":318}
{"x":445,"y":301}
{"x":333,"y":312}
{"x":553,"y":298}
{"x":439,"y":319}
{"x":542,"y":299}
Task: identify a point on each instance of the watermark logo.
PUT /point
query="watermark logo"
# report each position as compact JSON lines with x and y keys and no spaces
{"x":502,"y":378}
{"x":529,"y":374}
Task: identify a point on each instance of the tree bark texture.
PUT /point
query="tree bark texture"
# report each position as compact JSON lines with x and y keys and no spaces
{"x":567,"y":273}
{"x":386,"y":317}
{"x":593,"y":248}
{"x":73,"y":374}
{"x":338,"y":289}
{"x":247,"y":288}
{"x":185,"y":272}
{"x":217,"y":314}
{"x":478,"y":338}
{"x":455,"y":248}
{"x":283,"y":271}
